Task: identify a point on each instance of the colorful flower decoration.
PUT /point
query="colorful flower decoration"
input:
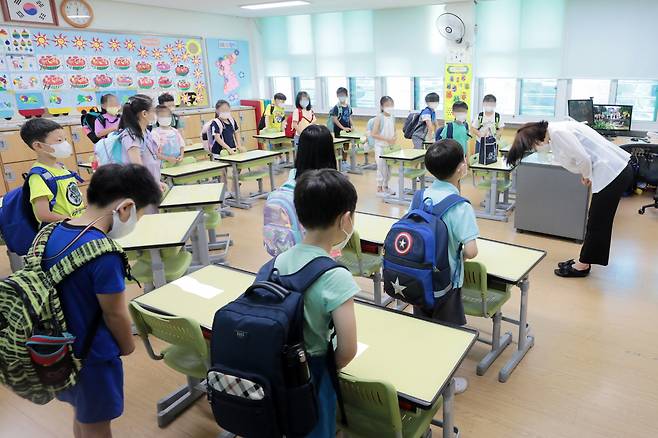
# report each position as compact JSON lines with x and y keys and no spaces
{"x":196,"y":60}
{"x":41,"y":39}
{"x":114,"y":44}
{"x":157,"y":53}
{"x":197,"y":73}
{"x":185,"y":98}
{"x":130,"y":45}
{"x":143,"y":52}
{"x":201,"y":98}
{"x":96,"y":44}
{"x":79,"y":43}
{"x":185,"y":56}
{"x":60,"y":40}
{"x":180,"y":45}
{"x":200,"y":86}
{"x":169,"y":49}
{"x":175,"y":59}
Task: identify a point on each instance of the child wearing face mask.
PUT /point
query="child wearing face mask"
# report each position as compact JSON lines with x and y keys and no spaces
{"x":167,"y":100}
{"x":224,"y":130}
{"x":171,"y":145}
{"x":325,"y":201}
{"x":275,"y":115}
{"x":488,"y":122}
{"x":303,"y":115}
{"x":46,"y":138}
{"x":383,"y":132}
{"x":428,"y":122}
{"x":92,"y":297}
{"x":458,"y":129}
{"x":341,"y":115}
{"x":108,"y":121}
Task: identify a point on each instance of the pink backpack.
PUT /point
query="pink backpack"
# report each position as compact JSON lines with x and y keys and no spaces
{"x":208,"y":140}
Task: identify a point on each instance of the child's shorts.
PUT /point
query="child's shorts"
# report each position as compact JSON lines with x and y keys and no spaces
{"x":98,"y":395}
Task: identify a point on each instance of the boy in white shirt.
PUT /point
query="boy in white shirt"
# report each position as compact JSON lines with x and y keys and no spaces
{"x":488,"y":122}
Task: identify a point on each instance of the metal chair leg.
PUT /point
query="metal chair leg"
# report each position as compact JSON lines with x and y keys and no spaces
{"x":175,"y":403}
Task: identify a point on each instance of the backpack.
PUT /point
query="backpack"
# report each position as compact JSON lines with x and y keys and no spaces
{"x":410,"y":124}
{"x":487,"y":149}
{"x":330,"y":117}
{"x":18,"y":224}
{"x":496,"y":120}
{"x":36,"y":356}
{"x":259,"y":382}
{"x":208,"y":140}
{"x":281,"y":227}
{"x":88,"y":121}
{"x":290,"y":132}
{"x":449,"y":131}
{"x":261,"y":123}
{"x":416,"y":263}
{"x":109,"y":150}
{"x":369,"y":127}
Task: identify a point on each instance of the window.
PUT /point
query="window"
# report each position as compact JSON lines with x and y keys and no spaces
{"x":424,"y":86}
{"x":399,"y":88}
{"x":598,"y":89}
{"x":362,"y":92}
{"x":505,"y":92}
{"x":538,"y":97}
{"x":283,"y":84}
{"x":642,"y":95}
{"x":333,"y":84}
{"x":308,"y":85}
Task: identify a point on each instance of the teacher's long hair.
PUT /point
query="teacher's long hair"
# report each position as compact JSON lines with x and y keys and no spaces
{"x":526,"y":139}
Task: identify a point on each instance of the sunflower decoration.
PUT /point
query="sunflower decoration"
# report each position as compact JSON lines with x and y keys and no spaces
{"x":143,"y":52}
{"x":175,"y":59}
{"x":41,"y":40}
{"x":200,"y":86}
{"x":130,"y":45}
{"x":185,"y":56}
{"x":60,"y":40}
{"x":157,"y":53}
{"x":196,"y":60}
{"x":96,"y":44}
{"x":180,"y":45}
{"x":79,"y":43}
{"x":114,"y":44}
{"x":169,"y":49}
{"x":185,"y":98}
{"x":197,"y":73}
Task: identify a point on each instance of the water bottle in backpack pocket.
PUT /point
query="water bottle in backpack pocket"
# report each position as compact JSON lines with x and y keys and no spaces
{"x":281,"y":227}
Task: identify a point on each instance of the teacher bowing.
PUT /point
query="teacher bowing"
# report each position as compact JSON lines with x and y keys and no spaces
{"x":601,"y":165}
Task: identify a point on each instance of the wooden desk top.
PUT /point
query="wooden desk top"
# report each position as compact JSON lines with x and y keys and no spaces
{"x":192,"y":169}
{"x":499,"y":166}
{"x":386,"y":355}
{"x":193,"y":195}
{"x":245,"y":157}
{"x":161,"y":231}
{"x":405,"y":155}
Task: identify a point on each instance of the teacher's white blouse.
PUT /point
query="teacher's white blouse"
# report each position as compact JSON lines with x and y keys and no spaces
{"x":580,"y":149}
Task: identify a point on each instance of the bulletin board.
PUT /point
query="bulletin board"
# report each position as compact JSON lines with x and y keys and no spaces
{"x":59,"y":71}
{"x":458,"y":81}
{"x":230,"y":70}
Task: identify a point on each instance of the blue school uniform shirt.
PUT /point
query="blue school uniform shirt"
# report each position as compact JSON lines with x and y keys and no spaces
{"x":461,"y":224}
{"x":103,"y":275}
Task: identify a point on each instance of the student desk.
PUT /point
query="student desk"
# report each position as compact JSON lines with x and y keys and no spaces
{"x":491,"y":210}
{"x":353,"y":137}
{"x":195,"y":150}
{"x":505,"y":262}
{"x":339,"y":145}
{"x":157,"y":231}
{"x":402,"y":157}
{"x":199,"y":170}
{"x":243,"y":161}
{"x":386,"y":355}
{"x":275,"y":142}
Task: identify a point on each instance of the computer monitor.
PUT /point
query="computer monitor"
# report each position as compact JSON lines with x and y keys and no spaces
{"x":611,"y":118}
{"x":582,"y":110}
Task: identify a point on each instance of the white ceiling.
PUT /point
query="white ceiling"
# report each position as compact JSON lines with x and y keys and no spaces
{"x":232,"y":7}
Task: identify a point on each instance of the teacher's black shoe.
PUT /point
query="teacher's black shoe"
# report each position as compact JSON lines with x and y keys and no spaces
{"x":569,"y":271}
{"x":569,"y":262}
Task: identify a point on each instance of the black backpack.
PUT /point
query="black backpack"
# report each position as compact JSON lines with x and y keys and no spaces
{"x":88,"y":121}
{"x":261,"y":123}
{"x":259,"y":382}
{"x":410,"y":125}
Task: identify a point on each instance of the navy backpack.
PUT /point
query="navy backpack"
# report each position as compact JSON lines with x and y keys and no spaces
{"x":449,"y":131}
{"x":416,"y":264}
{"x":17,"y":222}
{"x":259,"y":382}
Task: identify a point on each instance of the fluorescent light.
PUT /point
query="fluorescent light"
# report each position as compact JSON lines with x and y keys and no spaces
{"x":275,"y":5}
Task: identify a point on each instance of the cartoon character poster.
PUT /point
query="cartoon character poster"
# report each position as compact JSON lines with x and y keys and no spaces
{"x":66,"y":71}
{"x":458,"y":87}
{"x":230,"y":70}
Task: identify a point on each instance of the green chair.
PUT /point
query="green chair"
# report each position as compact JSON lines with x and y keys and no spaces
{"x":188,"y":353}
{"x":362,"y":264}
{"x":372,"y":411}
{"x":481,"y":177}
{"x":174,"y":267}
{"x":485,"y":300}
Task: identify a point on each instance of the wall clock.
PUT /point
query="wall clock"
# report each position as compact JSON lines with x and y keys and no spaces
{"x":77,"y":13}
{"x":30,"y":11}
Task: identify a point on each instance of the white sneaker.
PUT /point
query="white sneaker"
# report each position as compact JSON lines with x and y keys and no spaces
{"x":461,"y":384}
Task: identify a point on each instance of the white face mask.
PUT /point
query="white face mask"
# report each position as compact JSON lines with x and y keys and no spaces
{"x":339,"y":246}
{"x":164,"y":121}
{"x":122,"y":229}
{"x":342,"y":99}
{"x":460,"y":117}
{"x":304,"y":103}
{"x":489,"y":108}
{"x":280,"y":104}
{"x":224,"y":115}
{"x":388,"y":109}
{"x":434,"y":105}
{"x":61,"y":150}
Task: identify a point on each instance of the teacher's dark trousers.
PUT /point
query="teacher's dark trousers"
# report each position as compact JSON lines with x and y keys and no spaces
{"x":602,"y":209}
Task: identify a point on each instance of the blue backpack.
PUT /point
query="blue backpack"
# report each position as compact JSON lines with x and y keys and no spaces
{"x":259,"y":382}
{"x":109,"y":150}
{"x":18,"y":224}
{"x":449,"y":131}
{"x":416,"y":263}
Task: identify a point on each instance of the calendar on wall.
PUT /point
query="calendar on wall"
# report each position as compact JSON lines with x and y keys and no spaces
{"x":56,"y":71}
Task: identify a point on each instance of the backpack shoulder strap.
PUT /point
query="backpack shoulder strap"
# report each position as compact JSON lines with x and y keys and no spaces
{"x":417,"y":201}
{"x":446,"y":204}
{"x":450,"y":129}
{"x":309,"y":274}
{"x":480,"y":118}
{"x":83,"y":255}
{"x":49,"y":179}
{"x":35,"y":253}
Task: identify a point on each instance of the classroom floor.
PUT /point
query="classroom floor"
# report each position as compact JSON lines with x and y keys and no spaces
{"x":593,"y":371}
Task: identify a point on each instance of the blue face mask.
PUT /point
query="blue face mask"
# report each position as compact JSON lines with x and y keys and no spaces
{"x":304,"y":103}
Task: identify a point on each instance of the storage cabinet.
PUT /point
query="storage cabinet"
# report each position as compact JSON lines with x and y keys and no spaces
{"x":191,"y":126}
{"x":81,"y":142}
{"x":246,"y":119}
{"x":12,"y":148}
{"x":13,"y":173}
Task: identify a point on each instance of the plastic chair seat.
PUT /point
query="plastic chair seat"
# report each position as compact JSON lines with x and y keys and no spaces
{"x":165,"y":253}
{"x":211,"y":218}
{"x":410,"y":173}
{"x":174,"y":268}
{"x":253,"y":175}
{"x":185,"y":360}
{"x":501,"y":186}
{"x":370,"y":263}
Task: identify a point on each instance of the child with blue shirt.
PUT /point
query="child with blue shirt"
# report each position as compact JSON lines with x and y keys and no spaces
{"x":325,"y":201}
{"x":458,"y":129}
{"x":427,"y":122}
{"x":446,"y":162}
{"x":93,"y":298}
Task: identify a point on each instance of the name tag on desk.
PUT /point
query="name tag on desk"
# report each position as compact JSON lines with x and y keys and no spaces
{"x":193,"y":286}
